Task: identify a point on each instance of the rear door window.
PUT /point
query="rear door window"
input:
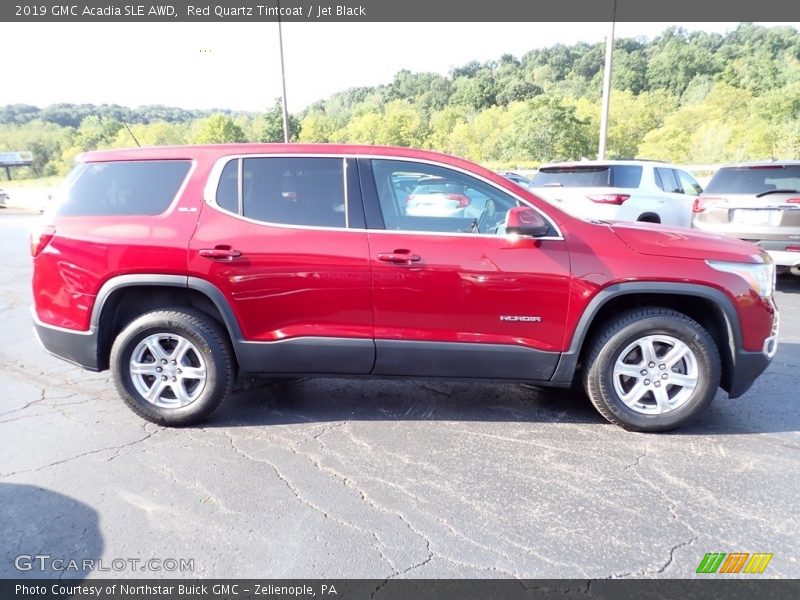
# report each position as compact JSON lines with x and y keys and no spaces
{"x":666,"y":180}
{"x":141,"y":187}
{"x":305,"y":191}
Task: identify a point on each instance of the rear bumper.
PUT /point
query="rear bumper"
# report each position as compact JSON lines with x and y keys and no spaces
{"x":777,"y":250}
{"x":76,"y":347}
{"x":784,"y":258}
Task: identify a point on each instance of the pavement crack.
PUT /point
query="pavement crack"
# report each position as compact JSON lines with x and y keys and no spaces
{"x":660,"y":570}
{"x":118,"y":448}
{"x":638,"y":460}
{"x":309,"y":504}
{"x":42,"y":398}
{"x":672,"y":556}
{"x":429,"y":388}
{"x":196,"y":485}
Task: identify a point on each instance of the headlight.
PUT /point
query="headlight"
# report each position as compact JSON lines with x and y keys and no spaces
{"x":761,"y":276}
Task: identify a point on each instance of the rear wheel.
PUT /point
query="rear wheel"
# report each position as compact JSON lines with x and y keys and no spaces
{"x":652,"y":370}
{"x":173,"y":367}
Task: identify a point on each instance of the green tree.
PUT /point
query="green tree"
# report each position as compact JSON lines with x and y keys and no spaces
{"x":273,"y":125}
{"x":547,"y":129}
{"x":317,"y":127}
{"x":217,"y":129}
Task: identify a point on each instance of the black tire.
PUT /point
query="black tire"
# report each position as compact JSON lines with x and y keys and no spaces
{"x":209,"y":340}
{"x":617,"y":336}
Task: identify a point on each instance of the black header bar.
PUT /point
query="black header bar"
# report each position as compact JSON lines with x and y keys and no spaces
{"x":708,"y":587}
{"x":400,"y":10}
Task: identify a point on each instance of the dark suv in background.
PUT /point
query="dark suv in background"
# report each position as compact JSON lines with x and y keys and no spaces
{"x":178,"y":267}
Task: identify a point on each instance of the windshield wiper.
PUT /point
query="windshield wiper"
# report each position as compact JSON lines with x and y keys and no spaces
{"x":776,"y":192}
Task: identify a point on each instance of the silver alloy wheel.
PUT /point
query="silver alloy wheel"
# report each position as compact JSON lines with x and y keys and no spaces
{"x":168,"y":370}
{"x":656,"y":374}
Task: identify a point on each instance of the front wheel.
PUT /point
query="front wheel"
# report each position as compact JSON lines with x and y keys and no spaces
{"x":652,"y":370}
{"x":173,"y":367}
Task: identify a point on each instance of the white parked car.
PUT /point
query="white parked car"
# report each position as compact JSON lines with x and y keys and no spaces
{"x":439,"y":197}
{"x":620,"y":190}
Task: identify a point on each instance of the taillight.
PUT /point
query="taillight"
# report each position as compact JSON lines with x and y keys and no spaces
{"x":703,"y":204}
{"x":40,"y":238}
{"x":409,"y":198}
{"x":793,"y":201}
{"x":793,"y":248}
{"x":609,"y":198}
{"x":462,"y":200}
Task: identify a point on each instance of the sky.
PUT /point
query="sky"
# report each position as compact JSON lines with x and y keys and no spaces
{"x":236,"y":65}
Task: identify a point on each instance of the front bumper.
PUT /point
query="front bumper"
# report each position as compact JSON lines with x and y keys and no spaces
{"x":747,"y":366}
{"x":76,"y":347}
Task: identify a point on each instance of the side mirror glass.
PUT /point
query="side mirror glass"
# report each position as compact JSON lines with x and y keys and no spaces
{"x":523,"y":220}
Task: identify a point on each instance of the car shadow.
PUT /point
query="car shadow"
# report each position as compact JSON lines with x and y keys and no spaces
{"x":307,"y":400}
{"x":768,"y":407}
{"x":788,"y":283}
{"x":35,"y":521}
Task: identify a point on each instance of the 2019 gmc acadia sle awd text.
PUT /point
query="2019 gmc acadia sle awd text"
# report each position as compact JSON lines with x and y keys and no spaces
{"x":179,"y":267}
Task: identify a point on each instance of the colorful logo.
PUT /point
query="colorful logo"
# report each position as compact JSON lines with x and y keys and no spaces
{"x":735,"y":562}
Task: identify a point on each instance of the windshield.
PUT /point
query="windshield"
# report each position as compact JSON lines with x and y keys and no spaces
{"x":755,"y":180}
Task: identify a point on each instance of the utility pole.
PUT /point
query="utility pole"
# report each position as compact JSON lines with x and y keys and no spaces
{"x":283,"y":79}
{"x":601,"y":152}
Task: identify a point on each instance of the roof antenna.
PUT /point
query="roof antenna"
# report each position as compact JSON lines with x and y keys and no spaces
{"x":133,"y":136}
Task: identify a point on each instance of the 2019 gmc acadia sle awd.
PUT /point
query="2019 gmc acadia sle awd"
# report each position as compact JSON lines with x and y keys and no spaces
{"x":179,"y":267}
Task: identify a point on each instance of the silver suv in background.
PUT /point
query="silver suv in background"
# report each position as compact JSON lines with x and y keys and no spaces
{"x":619,"y":190}
{"x":756,"y":202}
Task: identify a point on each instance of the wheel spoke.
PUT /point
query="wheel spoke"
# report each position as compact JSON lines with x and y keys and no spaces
{"x":678,"y":351}
{"x":635,"y":393}
{"x":628,"y":370}
{"x":193,"y":373}
{"x":688,"y":382}
{"x":156,"y":349}
{"x":662,"y":399}
{"x":648,"y":350}
{"x":180,"y":393}
{"x":138,"y":368}
{"x":154,"y":394}
{"x":180,"y":350}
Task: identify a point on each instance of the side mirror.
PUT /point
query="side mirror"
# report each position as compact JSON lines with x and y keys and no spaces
{"x":523,"y":220}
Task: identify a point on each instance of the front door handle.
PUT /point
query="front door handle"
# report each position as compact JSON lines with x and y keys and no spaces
{"x":399,"y":257}
{"x":220,"y":253}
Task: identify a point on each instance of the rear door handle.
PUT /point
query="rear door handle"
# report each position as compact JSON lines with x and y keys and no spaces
{"x":220,"y":253}
{"x":399,"y":257}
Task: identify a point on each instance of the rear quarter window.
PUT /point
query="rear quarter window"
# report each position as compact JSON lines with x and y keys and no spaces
{"x":143,"y":187}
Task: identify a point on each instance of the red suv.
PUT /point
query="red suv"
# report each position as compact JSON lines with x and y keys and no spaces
{"x":179,"y":267}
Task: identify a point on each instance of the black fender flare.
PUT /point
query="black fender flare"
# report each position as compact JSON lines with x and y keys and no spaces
{"x":203,"y":286}
{"x":565,"y":370}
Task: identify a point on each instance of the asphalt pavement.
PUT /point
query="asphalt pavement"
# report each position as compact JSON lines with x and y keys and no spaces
{"x":332,"y":478}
